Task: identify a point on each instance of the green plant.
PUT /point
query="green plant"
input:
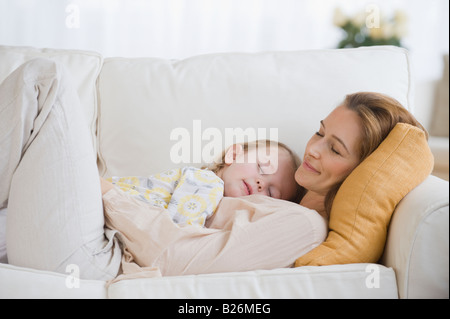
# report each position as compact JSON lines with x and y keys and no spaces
{"x":369,"y":28}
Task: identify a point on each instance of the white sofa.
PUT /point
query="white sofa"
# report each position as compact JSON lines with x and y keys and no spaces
{"x":134,"y":105}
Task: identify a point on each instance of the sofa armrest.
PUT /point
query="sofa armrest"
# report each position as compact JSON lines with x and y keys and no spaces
{"x":417,"y":245}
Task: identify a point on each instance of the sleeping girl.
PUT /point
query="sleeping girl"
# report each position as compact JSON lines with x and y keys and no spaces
{"x":191,"y":195}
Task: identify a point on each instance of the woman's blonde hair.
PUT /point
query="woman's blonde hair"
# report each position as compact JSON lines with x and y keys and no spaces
{"x":219,"y":164}
{"x":379,"y":114}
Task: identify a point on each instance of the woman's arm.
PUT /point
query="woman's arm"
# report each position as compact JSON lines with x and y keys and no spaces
{"x":246,"y":234}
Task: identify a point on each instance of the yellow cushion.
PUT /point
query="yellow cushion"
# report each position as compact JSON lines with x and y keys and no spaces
{"x":363,"y":206}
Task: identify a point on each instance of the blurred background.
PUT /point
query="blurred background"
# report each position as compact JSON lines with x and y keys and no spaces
{"x":181,"y":28}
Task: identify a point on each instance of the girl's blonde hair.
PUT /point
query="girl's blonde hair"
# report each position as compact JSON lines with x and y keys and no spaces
{"x":219,"y":164}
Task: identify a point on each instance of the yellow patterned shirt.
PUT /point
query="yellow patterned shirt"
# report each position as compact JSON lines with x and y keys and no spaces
{"x":189,"y":194}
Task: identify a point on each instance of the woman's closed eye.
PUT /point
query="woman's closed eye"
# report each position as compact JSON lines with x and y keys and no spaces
{"x":333,"y":149}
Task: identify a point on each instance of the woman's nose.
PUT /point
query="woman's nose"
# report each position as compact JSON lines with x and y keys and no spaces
{"x":314,"y":149}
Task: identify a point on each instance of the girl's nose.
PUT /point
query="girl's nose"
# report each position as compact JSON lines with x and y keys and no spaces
{"x":261,"y":185}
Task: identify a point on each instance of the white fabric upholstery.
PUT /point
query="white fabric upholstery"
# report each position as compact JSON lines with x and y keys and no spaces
{"x":3,"y":257}
{"x":440,"y":148}
{"x":141,"y":101}
{"x":417,"y":241}
{"x":17,"y":282}
{"x":304,"y":282}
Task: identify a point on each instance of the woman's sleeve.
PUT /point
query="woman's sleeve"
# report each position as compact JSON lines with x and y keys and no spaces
{"x":253,"y":232}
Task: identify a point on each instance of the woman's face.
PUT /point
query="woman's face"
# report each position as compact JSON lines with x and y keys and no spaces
{"x":332,"y":153}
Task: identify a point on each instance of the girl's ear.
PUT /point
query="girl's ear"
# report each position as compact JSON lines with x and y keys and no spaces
{"x":232,"y":153}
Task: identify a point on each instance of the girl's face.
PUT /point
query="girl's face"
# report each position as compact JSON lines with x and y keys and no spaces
{"x":332,"y":153}
{"x":267,"y":171}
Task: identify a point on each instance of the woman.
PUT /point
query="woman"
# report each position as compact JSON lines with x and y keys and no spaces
{"x":345,"y":138}
{"x":55,"y":213}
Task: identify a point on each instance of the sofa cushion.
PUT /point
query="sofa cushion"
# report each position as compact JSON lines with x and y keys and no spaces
{"x":147,"y":104}
{"x":363,"y":206}
{"x":336,"y":281}
{"x":25,"y":283}
{"x":83,"y":66}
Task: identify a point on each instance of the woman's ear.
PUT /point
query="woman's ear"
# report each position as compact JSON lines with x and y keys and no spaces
{"x":232,"y":153}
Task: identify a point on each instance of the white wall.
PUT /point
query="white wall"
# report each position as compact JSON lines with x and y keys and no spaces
{"x":182,"y":28}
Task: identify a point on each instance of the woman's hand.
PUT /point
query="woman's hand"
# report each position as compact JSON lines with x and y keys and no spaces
{"x":105,"y":185}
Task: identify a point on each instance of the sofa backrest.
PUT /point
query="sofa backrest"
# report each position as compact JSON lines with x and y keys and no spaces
{"x":156,"y":114}
{"x":147,"y":115}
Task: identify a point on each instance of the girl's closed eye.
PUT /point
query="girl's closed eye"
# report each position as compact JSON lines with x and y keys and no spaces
{"x":273,"y":193}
